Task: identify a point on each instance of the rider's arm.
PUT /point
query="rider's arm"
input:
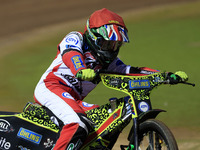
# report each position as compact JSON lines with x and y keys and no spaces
{"x":173,"y":78}
{"x":72,"y":56}
{"x":118,"y":66}
{"x":71,"y":52}
{"x":74,"y":60}
{"x":142,"y":70}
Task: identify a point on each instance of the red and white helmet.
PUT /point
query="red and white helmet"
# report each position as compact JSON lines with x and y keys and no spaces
{"x":105,"y":32}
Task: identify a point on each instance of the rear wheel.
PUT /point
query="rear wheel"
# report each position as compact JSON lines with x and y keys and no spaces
{"x":155,"y":135}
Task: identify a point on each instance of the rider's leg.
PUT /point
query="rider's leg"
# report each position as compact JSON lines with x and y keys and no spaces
{"x":66,"y":108}
{"x":72,"y":136}
{"x":86,"y":106}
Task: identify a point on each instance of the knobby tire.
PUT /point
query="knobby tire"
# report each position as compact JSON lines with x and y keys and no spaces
{"x":160,"y":131}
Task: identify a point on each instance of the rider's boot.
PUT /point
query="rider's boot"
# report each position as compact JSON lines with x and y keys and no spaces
{"x":71,"y":137}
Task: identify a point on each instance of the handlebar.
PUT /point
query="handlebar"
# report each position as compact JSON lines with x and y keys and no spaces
{"x":106,"y":72}
{"x":102,"y":71}
{"x":188,"y":83}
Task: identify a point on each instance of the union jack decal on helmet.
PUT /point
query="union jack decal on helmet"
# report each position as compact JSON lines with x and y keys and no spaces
{"x":116,"y":33}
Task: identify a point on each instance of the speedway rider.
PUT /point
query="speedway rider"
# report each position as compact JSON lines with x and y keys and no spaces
{"x":69,"y":78}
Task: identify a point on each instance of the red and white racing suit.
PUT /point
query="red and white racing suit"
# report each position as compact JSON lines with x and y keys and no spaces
{"x":62,"y":93}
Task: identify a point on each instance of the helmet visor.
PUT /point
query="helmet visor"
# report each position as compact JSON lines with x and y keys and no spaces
{"x":108,"y":45}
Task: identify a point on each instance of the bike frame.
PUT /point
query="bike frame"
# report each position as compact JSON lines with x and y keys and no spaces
{"x":138,"y":88}
{"x":108,"y":122}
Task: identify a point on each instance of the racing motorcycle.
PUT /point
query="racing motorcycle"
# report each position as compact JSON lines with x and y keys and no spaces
{"x":35,"y":127}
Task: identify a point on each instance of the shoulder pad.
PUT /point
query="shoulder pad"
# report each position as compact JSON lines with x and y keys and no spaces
{"x":73,"y":40}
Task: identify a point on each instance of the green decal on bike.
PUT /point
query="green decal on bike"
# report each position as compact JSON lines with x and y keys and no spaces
{"x":70,"y":147}
{"x":131,"y":147}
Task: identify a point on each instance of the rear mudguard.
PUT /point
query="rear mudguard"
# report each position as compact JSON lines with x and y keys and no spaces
{"x":151,"y":114}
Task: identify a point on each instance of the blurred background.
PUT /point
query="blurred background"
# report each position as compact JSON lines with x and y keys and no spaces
{"x":164,"y":35}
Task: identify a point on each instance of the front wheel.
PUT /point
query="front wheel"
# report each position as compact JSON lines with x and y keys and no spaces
{"x":155,"y":135}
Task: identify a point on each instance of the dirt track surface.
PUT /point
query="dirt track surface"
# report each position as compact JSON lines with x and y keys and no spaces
{"x":25,"y":15}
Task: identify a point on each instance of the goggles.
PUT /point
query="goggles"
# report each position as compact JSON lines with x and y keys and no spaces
{"x":108,"y":45}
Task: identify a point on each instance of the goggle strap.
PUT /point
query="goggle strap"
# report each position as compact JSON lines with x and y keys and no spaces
{"x":90,"y":32}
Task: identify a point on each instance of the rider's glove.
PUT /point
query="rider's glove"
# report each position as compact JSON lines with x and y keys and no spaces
{"x":177,"y":77}
{"x":86,"y":74}
{"x":182,"y":75}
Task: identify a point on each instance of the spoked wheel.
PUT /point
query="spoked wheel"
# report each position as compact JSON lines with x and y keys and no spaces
{"x":155,"y":135}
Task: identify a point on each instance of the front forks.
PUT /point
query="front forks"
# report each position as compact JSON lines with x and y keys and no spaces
{"x":133,"y":145}
{"x":133,"y":137}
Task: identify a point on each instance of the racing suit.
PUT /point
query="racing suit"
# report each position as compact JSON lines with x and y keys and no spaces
{"x":62,"y":93}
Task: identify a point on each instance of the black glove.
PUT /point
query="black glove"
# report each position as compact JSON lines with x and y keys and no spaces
{"x":172,"y":78}
{"x":177,"y":77}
